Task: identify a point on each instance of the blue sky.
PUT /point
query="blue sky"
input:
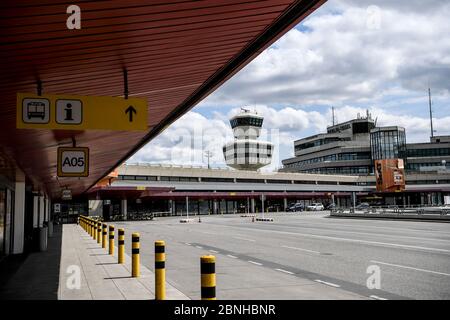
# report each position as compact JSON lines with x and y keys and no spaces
{"x":351,"y":54}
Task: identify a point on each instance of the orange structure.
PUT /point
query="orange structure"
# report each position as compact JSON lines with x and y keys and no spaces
{"x":390,"y":175}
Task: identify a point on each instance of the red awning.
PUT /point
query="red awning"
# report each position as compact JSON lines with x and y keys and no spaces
{"x":176,"y":53}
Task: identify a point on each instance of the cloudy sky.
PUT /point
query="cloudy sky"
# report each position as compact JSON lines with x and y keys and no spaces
{"x":354,"y":55}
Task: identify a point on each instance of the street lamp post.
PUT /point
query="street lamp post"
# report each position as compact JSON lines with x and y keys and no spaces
{"x":208,"y":154}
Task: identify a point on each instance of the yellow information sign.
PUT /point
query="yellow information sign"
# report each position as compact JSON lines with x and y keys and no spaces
{"x":73,"y":162}
{"x":70,"y":112}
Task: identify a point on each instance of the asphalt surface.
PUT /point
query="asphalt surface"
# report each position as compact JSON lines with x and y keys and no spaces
{"x":281,"y":259}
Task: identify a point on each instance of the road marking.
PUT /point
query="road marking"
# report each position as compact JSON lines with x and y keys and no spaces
{"x":285,"y":271}
{"x":406,"y":267}
{"x":377,"y":297}
{"x":239,"y":238}
{"x":349,"y":240}
{"x":300,"y":249}
{"x":214,"y":251}
{"x":257,"y":263}
{"x":328,"y":283}
{"x":199,"y":247}
{"x":229,"y":255}
{"x":187,"y":243}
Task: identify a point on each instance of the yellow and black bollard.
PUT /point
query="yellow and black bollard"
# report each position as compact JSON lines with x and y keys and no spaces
{"x":99,"y":232}
{"x":208,"y":277}
{"x":91,"y":233}
{"x":160,"y":270}
{"x":135,"y":270}
{"x":94,"y":230}
{"x":121,"y":252}
{"x":111,"y":240}
{"x":104,"y":233}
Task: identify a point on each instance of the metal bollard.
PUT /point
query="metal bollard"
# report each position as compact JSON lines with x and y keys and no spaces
{"x":135,"y":272}
{"x":111,"y":240}
{"x":99,"y":232}
{"x":91,"y":230}
{"x":121,"y":253}
{"x":160,"y":270}
{"x":208,"y":277}
{"x":104,"y":233}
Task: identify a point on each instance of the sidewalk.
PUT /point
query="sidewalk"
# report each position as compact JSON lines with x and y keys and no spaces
{"x":49,"y":275}
{"x":102,"y":278}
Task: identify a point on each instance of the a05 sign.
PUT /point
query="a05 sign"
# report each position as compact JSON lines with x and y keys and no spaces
{"x":73,"y":162}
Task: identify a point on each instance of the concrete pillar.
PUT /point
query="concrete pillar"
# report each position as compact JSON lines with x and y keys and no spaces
{"x":19,"y":213}
{"x":252,"y":205}
{"x":41,"y":211}
{"x":96,"y":208}
{"x":124,"y":208}
{"x":215,"y":206}
{"x":47,"y":210}
{"x":354,"y":199}
{"x":35,"y":211}
{"x":285,"y":203}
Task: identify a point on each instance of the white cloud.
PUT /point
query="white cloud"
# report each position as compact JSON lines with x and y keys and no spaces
{"x":343,"y":59}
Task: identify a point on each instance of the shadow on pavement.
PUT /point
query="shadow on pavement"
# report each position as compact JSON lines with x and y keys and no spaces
{"x":33,"y":276}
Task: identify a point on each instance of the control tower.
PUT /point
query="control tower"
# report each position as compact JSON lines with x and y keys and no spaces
{"x":246,"y":152}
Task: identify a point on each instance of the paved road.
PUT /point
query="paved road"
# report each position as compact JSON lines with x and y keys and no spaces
{"x":261,"y":260}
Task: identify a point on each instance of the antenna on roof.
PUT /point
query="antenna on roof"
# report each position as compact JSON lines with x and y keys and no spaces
{"x":431,"y":112}
{"x":245,"y":110}
{"x":332,"y":113}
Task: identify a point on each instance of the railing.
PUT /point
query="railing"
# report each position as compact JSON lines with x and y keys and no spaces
{"x":396,"y":209}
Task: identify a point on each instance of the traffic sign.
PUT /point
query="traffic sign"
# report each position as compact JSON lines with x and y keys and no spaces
{"x":70,"y":112}
{"x":73,"y":162}
{"x":66,"y":194}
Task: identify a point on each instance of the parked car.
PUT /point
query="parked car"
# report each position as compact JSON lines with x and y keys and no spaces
{"x":362,"y":206}
{"x":315,"y":207}
{"x":295,"y":207}
{"x":330,"y":206}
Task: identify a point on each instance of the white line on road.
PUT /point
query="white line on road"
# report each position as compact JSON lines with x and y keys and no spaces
{"x":328,"y":283}
{"x":229,"y":255}
{"x":377,"y":297}
{"x":406,"y":267}
{"x":257,"y":263}
{"x":300,"y":249}
{"x":214,"y":251}
{"x":199,"y":247}
{"x":349,"y":240}
{"x":239,"y":238}
{"x":187,"y":243}
{"x":285,"y":271}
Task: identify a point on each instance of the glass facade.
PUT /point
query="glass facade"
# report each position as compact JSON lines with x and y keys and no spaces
{"x":246,"y":121}
{"x":319,"y":142}
{"x":354,"y":170}
{"x":435,"y":152}
{"x":388,"y":144}
{"x":345,"y":156}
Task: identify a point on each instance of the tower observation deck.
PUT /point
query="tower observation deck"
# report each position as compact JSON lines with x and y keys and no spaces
{"x":246,"y":152}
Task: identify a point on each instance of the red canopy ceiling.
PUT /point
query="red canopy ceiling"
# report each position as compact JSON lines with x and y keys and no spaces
{"x":176,"y":53}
